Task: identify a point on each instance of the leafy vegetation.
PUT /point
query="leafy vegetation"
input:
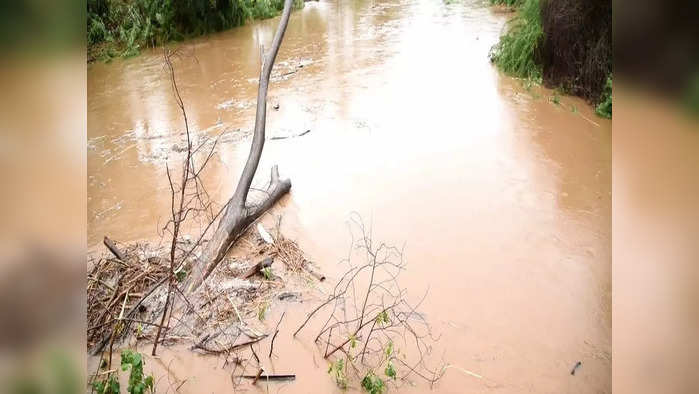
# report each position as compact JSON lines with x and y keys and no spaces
{"x":123,"y":27}
{"x":563,"y":43}
{"x":337,"y":371}
{"x":138,"y":383}
{"x":390,"y":371}
{"x":370,"y":382}
{"x":107,"y":386}
{"x":515,"y":53}
{"x":604,"y":108}
{"x":373,"y":384}
{"x":556,"y":98}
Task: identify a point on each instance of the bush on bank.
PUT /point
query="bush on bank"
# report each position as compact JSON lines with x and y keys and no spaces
{"x":122,"y":27}
{"x":566,"y":44}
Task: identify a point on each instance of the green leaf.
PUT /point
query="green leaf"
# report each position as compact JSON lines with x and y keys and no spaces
{"x":98,"y":387}
{"x":114,"y":385}
{"x":390,"y":371}
{"x":373,"y":384}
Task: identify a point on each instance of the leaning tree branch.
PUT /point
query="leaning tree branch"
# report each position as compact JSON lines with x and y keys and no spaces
{"x":239,"y":214}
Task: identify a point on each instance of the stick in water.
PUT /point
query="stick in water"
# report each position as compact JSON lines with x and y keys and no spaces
{"x":577,"y":365}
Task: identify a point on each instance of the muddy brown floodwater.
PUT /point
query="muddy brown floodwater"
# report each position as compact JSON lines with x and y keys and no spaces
{"x":501,"y":197}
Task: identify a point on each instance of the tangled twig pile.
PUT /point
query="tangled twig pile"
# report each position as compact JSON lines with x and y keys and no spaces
{"x":116,"y":289}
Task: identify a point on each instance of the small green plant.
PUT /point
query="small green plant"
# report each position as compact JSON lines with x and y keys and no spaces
{"x":604,"y":108}
{"x":138,"y":384}
{"x":267,"y":273}
{"x":337,"y":371}
{"x":107,"y":386}
{"x":390,"y":371}
{"x":373,"y":384}
{"x":556,"y":99}
{"x":180,"y":275}
{"x":382,"y":318}
{"x":261,"y":312}
{"x":353,"y":341}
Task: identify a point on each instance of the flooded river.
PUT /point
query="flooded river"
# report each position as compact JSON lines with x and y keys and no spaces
{"x":501,"y":196}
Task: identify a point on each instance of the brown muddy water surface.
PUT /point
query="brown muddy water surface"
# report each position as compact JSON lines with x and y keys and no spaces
{"x":501,"y":197}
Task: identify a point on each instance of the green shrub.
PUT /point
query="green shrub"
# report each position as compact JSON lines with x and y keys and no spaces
{"x":515,"y":54}
{"x":373,"y":384}
{"x":138,"y":384}
{"x":604,"y":108}
{"x":126,"y":26}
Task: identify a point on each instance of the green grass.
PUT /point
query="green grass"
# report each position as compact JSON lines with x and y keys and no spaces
{"x":604,"y":108}
{"x":515,"y":53}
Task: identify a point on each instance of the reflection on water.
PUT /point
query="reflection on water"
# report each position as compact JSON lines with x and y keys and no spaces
{"x":501,"y":197}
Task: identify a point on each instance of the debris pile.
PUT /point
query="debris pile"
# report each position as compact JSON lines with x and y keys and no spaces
{"x":127,"y":286}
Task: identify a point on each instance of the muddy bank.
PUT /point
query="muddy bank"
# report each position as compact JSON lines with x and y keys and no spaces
{"x":500,"y":195}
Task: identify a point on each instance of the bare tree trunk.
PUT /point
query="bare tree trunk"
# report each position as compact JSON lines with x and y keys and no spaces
{"x":238,"y":215}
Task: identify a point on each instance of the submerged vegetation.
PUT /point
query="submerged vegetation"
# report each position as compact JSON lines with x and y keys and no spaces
{"x":565,"y":44}
{"x":120,"y":28}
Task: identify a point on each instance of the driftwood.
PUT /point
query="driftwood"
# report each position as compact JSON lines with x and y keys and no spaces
{"x":113,"y":248}
{"x":127,"y":317}
{"x":201,"y":345}
{"x":270,"y":377}
{"x":276,"y":331}
{"x":259,"y":373}
{"x":575,"y":367}
{"x":283,"y":137}
{"x":315,"y":273}
{"x":239,"y":214}
{"x":266,"y":263}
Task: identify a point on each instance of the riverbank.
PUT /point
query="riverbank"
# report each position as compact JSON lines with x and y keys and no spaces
{"x":121,"y":28}
{"x":567,"y":45}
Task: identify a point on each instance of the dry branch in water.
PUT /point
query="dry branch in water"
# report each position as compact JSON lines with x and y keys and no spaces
{"x":369,"y":322}
{"x":240,"y":213}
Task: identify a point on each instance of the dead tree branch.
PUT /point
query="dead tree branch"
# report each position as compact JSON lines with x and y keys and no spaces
{"x":239,"y":213}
